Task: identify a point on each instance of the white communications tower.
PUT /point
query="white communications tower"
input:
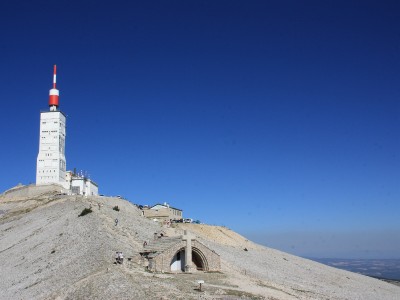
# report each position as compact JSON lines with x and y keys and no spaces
{"x":51,"y":164}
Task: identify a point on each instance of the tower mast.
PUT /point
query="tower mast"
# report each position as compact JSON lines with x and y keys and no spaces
{"x":51,"y":164}
{"x":54,"y":93}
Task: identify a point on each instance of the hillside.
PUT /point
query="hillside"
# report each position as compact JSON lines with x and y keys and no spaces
{"x":48,"y":252}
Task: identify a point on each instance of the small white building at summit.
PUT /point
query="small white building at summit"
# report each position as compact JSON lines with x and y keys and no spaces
{"x":81,"y":185}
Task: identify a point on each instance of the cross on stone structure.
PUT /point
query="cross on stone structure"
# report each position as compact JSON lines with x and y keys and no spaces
{"x":188,"y":237}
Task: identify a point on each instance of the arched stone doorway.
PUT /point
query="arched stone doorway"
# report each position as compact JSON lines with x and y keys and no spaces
{"x":199,"y":260}
{"x":178,"y":261}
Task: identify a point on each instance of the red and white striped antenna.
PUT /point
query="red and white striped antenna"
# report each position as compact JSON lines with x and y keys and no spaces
{"x":54,"y":93}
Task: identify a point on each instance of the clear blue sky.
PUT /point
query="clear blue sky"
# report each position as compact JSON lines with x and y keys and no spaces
{"x":277,"y":119}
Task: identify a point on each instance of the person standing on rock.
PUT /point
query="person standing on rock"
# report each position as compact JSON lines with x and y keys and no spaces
{"x":116,"y":222}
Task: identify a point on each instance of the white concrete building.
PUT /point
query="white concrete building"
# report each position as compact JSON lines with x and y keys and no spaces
{"x":51,"y":164}
{"x":81,"y":185}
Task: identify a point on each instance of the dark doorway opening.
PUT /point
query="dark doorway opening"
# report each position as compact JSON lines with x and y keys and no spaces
{"x":198,"y":261}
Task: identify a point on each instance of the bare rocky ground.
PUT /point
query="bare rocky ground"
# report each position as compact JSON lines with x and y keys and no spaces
{"x":48,"y":252}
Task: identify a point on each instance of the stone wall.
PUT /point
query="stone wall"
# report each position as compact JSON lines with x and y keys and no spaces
{"x":162,"y":262}
{"x":163,"y":213}
{"x":160,"y":214}
{"x":213,"y":259}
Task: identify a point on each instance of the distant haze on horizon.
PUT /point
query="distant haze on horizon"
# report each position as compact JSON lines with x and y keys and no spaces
{"x":325,"y":244}
{"x":279,"y":120}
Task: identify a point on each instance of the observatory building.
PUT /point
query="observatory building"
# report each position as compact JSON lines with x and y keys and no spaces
{"x":51,"y":163}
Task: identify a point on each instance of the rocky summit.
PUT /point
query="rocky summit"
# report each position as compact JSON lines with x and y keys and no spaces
{"x":49,"y":251}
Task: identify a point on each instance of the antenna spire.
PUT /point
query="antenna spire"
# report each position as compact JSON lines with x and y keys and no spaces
{"x":54,"y":93}
{"x":54,"y":76}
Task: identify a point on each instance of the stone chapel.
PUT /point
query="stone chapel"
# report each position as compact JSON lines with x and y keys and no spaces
{"x":180,"y":254}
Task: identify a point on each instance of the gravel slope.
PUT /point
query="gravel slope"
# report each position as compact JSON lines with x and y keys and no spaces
{"x":48,"y":252}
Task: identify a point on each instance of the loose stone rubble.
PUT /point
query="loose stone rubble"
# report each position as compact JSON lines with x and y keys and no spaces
{"x":48,"y":252}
